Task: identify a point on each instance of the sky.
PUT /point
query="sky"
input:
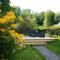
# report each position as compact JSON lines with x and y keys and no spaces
{"x":37,"y":5}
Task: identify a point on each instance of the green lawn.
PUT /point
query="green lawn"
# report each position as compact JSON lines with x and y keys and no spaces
{"x":28,"y":54}
{"x":54,"y":46}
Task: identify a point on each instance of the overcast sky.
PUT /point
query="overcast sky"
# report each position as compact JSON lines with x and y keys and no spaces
{"x":38,"y":5}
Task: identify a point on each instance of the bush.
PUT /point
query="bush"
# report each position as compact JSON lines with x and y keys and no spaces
{"x":7,"y":45}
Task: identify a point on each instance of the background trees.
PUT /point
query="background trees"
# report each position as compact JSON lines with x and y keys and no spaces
{"x":29,"y":20}
{"x":57,"y":18}
{"x":40,"y":18}
{"x":49,"y":17}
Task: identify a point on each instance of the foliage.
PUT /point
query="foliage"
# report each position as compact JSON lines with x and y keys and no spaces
{"x":40,"y":18}
{"x":4,"y":7}
{"x":57,"y":18}
{"x":27,"y":22}
{"x":25,"y":12}
{"x":7,"y":45}
{"x":58,"y":37}
{"x":54,"y":27}
{"x":9,"y":38}
{"x":18,"y":37}
{"x":49,"y":17}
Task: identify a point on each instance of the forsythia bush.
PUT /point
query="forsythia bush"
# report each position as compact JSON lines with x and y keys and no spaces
{"x":10,"y":17}
{"x":18,"y":37}
{"x":8,"y":36}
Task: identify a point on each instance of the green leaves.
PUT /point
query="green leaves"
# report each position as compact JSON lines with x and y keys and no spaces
{"x":4,"y":7}
{"x":49,"y":17}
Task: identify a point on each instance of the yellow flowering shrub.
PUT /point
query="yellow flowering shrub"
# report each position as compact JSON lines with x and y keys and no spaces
{"x":19,"y":37}
{"x":10,"y":16}
{"x":13,"y":25}
{"x":2,"y":21}
{"x":13,"y":33}
{"x":7,"y":18}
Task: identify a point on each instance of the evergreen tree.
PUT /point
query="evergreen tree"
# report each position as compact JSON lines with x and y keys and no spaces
{"x":4,"y":7}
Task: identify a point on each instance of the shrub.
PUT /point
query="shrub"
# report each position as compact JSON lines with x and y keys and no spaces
{"x":9,"y":38}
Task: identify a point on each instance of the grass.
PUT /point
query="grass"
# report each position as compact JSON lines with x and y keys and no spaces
{"x":54,"y":46}
{"x":28,"y":54}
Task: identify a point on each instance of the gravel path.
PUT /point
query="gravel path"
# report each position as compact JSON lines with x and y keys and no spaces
{"x":48,"y":54}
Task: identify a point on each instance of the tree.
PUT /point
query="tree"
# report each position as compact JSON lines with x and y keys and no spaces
{"x":4,"y":4}
{"x":30,"y":23}
{"x":40,"y":18}
{"x":25,"y":12}
{"x":49,"y":17}
{"x":21,"y":26}
{"x":27,"y":21}
{"x":27,"y":24}
{"x":17,"y":10}
{"x":57,"y":18}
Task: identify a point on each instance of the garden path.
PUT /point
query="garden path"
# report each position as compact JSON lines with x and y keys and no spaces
{"x":48,"y":54}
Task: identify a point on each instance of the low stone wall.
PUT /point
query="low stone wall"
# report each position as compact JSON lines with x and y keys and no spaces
{"x":37,"y":41}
